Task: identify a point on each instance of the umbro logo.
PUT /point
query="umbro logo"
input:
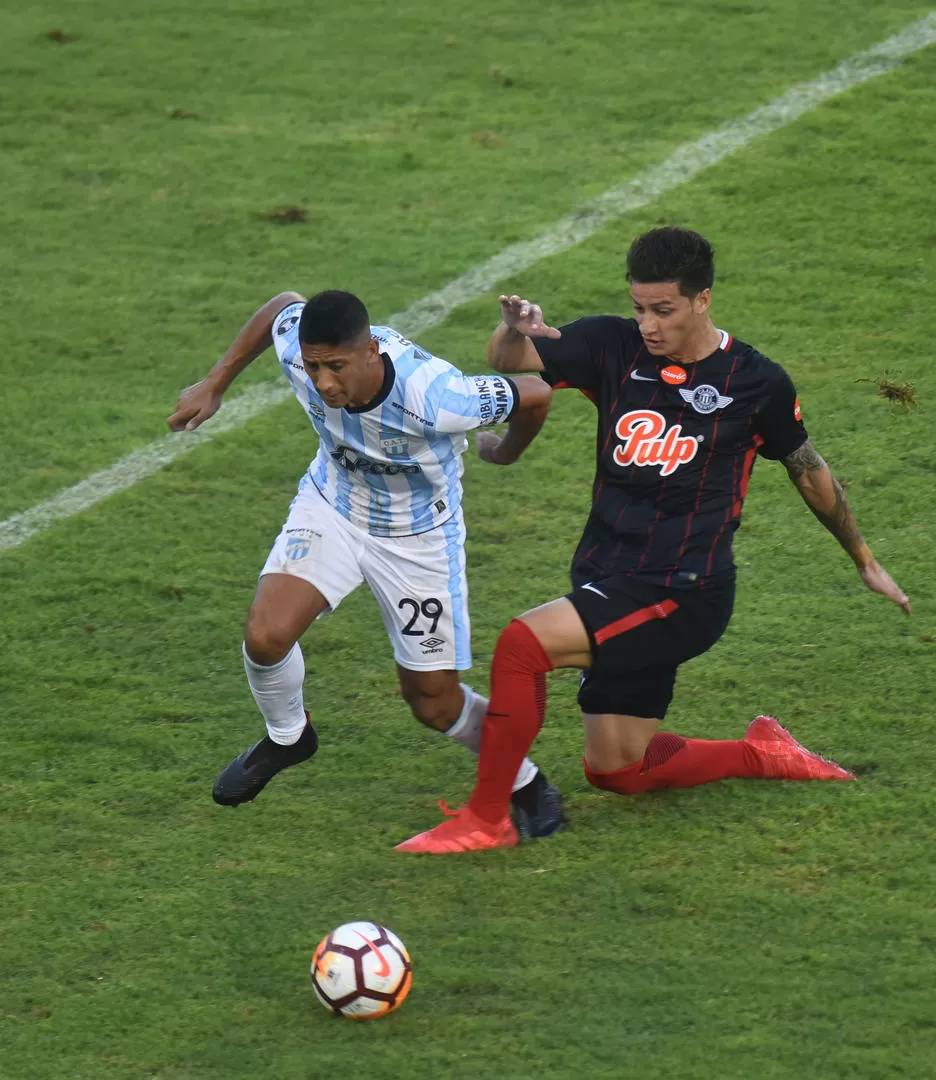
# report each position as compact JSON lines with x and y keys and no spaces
{"x":643,"y":378}
{"x":432,"y":642}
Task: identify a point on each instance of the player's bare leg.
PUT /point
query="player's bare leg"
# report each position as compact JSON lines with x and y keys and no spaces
{"x":614,"y":742}
{"x":434,"y":697}
{"x":627,"y":754}
{"x":514,"y":717}
{"x":440,"y":701}
{"x":623,"y":753}
{"x":283,"y":609}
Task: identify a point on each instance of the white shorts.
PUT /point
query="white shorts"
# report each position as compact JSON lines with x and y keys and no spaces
{"x":419,"y":581}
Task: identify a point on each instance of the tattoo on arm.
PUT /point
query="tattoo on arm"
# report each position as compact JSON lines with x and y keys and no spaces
{"x":803,"y":460}
{"x":823,"y":495}
{"x":840,"y":521}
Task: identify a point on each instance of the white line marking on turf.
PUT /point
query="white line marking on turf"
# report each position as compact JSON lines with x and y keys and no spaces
{"x":585,"y":220}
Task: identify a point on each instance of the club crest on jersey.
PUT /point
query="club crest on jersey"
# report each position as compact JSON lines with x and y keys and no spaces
{"x":705,"y":399}
{"x":643,"y":442}
{"x":287,"y":324}
{"x":394,"y":444}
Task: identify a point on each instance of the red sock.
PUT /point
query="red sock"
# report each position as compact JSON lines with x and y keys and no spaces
{"x":673,"y":762}
{"x":513,"y":720}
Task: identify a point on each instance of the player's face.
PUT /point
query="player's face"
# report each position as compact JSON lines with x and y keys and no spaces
{"x":345,"y":375}
{"x":669,"y":322}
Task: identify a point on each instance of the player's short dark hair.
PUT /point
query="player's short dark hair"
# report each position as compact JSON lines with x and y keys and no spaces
{"x":333,"y":318}
{"x":672,"y":254}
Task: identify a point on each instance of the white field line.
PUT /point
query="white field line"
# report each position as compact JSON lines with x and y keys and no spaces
{"x":586,"y":219}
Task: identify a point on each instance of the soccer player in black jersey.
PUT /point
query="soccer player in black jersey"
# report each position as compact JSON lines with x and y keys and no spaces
{"x":683,"y":411}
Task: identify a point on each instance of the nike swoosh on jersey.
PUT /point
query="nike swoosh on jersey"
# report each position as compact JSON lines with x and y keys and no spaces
{"x":643,"y":378}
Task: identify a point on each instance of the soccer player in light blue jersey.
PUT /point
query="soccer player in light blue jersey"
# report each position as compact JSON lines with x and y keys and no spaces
{"x":380,"y":503}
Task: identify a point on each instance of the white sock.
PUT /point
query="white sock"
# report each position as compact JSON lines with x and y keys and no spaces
{"x":467,"y":731}
{"x":277,"y":691}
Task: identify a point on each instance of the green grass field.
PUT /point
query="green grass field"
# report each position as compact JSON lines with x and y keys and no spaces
{"x":737,"y":930}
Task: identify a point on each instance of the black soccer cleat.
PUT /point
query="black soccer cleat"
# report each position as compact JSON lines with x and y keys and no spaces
{"x":249,"y":774}
{"x":537,"y":808}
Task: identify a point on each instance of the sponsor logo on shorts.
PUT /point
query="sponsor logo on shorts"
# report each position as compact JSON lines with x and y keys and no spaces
{"x":645,"y":441}
{"x":705,"y":399}
{"x":594,"y":588}
{"x":431,"y":645}
{"x":349,"y":459}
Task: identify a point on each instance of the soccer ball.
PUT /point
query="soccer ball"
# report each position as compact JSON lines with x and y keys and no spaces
{"x":361,"y":970}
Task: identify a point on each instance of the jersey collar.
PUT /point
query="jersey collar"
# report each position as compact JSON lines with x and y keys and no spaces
{"x":383,"y":393}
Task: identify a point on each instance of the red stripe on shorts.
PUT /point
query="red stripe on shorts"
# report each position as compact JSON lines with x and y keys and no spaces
{"x":636,"y":618}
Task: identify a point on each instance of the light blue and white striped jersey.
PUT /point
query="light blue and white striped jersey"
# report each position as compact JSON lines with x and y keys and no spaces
{"x":395,"y":469}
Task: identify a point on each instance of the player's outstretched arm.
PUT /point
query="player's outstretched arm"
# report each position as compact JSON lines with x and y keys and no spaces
{"x":535,"y":397}
{"x":202,"y":400}
{"x":823,"y":495}
{"x":510,"y":349}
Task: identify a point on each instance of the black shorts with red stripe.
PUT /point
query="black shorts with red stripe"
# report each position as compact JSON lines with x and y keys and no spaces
{"x":640,"y":633}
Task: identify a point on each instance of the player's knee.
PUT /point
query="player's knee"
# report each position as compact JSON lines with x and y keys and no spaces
{"x":520,"y":649}
{"x":266,"y":644}
{"x":437,"y":711}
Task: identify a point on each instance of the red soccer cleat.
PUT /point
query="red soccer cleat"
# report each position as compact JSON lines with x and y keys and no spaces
{"x":464,"y":831}
{"x":783,"y":758}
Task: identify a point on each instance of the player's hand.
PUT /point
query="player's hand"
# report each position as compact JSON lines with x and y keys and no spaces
{"x":196,"y":404}
{"x":526,"y":318}
{"x":487,"y":443}
{"x":878,"y":580}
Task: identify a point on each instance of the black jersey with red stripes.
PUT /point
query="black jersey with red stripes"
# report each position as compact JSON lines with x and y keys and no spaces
{"x":675,"y":448}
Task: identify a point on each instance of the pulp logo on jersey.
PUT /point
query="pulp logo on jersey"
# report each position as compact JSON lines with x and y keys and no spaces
{"x":493,"y":399}
{"x":705,"y":399}
{"x":674,"y":375}
{"x":643,"y":442}
{"x":351,"y":460}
